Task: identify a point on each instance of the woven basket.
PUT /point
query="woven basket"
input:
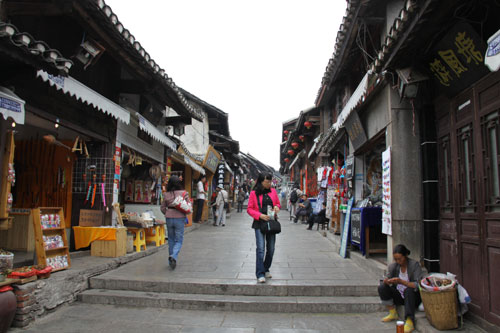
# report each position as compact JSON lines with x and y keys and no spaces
{"x":441,"y":308}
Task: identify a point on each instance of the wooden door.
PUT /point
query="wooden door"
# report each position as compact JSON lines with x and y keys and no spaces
{"x":469,"y":181}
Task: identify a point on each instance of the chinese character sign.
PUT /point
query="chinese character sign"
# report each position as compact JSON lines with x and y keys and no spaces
{"x":457,"y":60}
{"x":386,"y":190}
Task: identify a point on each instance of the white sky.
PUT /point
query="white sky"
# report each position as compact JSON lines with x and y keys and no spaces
{"x":260,"y":61}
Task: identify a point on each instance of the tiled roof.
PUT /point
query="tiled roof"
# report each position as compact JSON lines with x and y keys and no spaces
{"x":136,"y":47}
{"x":345,"y":29}
{"x":410,"y":15}
{"x":38,"y":51}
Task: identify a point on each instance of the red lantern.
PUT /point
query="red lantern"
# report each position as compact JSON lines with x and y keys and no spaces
{"x":286,"y":132}
{"x":287,"y":160}
{"x":291,"y":152}
{"x":308,"y":124}
{"x":295,"y":145}
{"x":301,"y":137}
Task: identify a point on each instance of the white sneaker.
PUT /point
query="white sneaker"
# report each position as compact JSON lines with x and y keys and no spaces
{"x":268,"y":275}
{"x":421,"y":307}
{"x":261,"y":280}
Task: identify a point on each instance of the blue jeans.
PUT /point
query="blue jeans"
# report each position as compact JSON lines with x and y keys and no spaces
{"x":175,"y":230}
{"x":265,"y":243}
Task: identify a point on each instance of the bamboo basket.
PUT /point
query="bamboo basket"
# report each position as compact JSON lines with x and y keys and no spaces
{"x":441,"y":308}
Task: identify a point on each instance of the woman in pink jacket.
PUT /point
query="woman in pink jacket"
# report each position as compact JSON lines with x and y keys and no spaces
{"x":268,"y":199}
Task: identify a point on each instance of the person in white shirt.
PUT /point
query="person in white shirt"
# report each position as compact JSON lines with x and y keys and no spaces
{"x":201,"y":196}
{"x":221,"y":204}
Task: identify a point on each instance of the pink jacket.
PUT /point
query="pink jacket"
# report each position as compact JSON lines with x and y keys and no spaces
{"x":253,"y":208}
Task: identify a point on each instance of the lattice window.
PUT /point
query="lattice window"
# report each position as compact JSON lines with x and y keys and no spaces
{"x":490,"y":138}
{"x":445,"y":175}
{"x":466,"y":169}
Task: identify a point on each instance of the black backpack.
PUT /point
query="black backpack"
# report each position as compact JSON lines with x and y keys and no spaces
{"x":294,"y":197}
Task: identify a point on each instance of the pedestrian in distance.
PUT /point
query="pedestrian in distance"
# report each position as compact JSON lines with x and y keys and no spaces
{"x":263,"y":199}
{"x":304,"y":208}
{"x":241,"y":199}
{"x":222,"y":204}
{"x":400,"y":287}
{"x":201,"y":196}
{"x":213,"y":200}
{"x":175,"y":218}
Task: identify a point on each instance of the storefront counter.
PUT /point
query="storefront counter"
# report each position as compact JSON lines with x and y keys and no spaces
{"x":104,"y":241}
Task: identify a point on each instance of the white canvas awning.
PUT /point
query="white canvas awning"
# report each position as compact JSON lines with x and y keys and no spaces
{"x":193,"y":165}
{"x":11,"y":106}
{"x":81,"y":92}
{"x":155,"y":133}
{"x":228,"y":168}
{"x":352,"y":102}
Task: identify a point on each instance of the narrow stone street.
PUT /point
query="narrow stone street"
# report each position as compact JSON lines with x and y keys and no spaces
{"x":213,"y":289}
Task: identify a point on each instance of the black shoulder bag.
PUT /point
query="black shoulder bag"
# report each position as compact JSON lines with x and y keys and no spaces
{"x":268,"y":227}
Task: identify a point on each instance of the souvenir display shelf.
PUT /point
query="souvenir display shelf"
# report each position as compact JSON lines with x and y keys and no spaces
{"x":51,"y":243}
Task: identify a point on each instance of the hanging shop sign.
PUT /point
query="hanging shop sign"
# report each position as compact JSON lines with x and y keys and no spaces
{"x":212,"y":159}
{"x":11,"y":106}
{"x":492,"y":57}
{"x":355,"y":130}
{"x":386,"y":192}
{"x":458,"y":59}
{"x":349,"y":167}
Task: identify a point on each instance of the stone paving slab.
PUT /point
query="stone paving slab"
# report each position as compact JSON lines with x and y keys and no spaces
{"x":227,"y":254}
{"x":80,"y":317}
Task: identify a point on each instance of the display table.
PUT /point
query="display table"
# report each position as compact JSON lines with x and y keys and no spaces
{"x":362,"y":220}
{"x":104,"y":241}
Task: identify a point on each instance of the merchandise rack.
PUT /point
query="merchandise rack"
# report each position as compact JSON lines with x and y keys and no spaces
{"x":42,"y":253}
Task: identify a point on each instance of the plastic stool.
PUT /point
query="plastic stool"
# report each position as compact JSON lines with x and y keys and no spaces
{"x":153,"y":235}
{"x":162,"y":234}
{"x":139,"y":239}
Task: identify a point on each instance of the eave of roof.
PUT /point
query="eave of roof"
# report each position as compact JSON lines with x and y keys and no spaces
{"x":34,"y":52}
{"x":104,"y":17}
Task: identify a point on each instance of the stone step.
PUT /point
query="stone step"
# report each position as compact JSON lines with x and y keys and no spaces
{"x":288,"y":304}
{"x":241,"y":287}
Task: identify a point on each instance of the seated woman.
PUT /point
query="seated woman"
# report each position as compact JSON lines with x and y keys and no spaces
{"x":304,"y":208}
{"x":400,"y":287}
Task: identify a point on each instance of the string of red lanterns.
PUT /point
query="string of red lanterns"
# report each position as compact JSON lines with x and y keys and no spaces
{"x":308,"y":124}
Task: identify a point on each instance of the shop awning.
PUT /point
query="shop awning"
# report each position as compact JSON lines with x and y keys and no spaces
{"x":228,"y":168}
{"x":352,"y":102}
{"x":81,"y":92}
{"x":155,"y":133}
{"x":193,"y":165}
{"x":11,"y":106}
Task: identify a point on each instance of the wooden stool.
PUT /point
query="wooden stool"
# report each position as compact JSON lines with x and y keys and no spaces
{"x":139,"y":238}
{"x":162,"y":233}
{"x":153,"y":235}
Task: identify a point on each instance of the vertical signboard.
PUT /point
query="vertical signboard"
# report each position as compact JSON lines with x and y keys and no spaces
{"x":386,"y":190}
{"x":345,"y":231}
{"x":220,"y":174}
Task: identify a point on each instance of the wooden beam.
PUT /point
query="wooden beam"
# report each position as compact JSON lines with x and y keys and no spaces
{"x":132,"y":87}
{"x":26,"y":8}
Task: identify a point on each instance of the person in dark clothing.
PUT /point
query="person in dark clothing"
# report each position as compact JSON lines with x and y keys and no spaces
{"x":400,"y":287}
{"x":319,"y":218}
{"x":213,"y":199}
{"x":241,"y":198}
{"x":305,"y":208}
